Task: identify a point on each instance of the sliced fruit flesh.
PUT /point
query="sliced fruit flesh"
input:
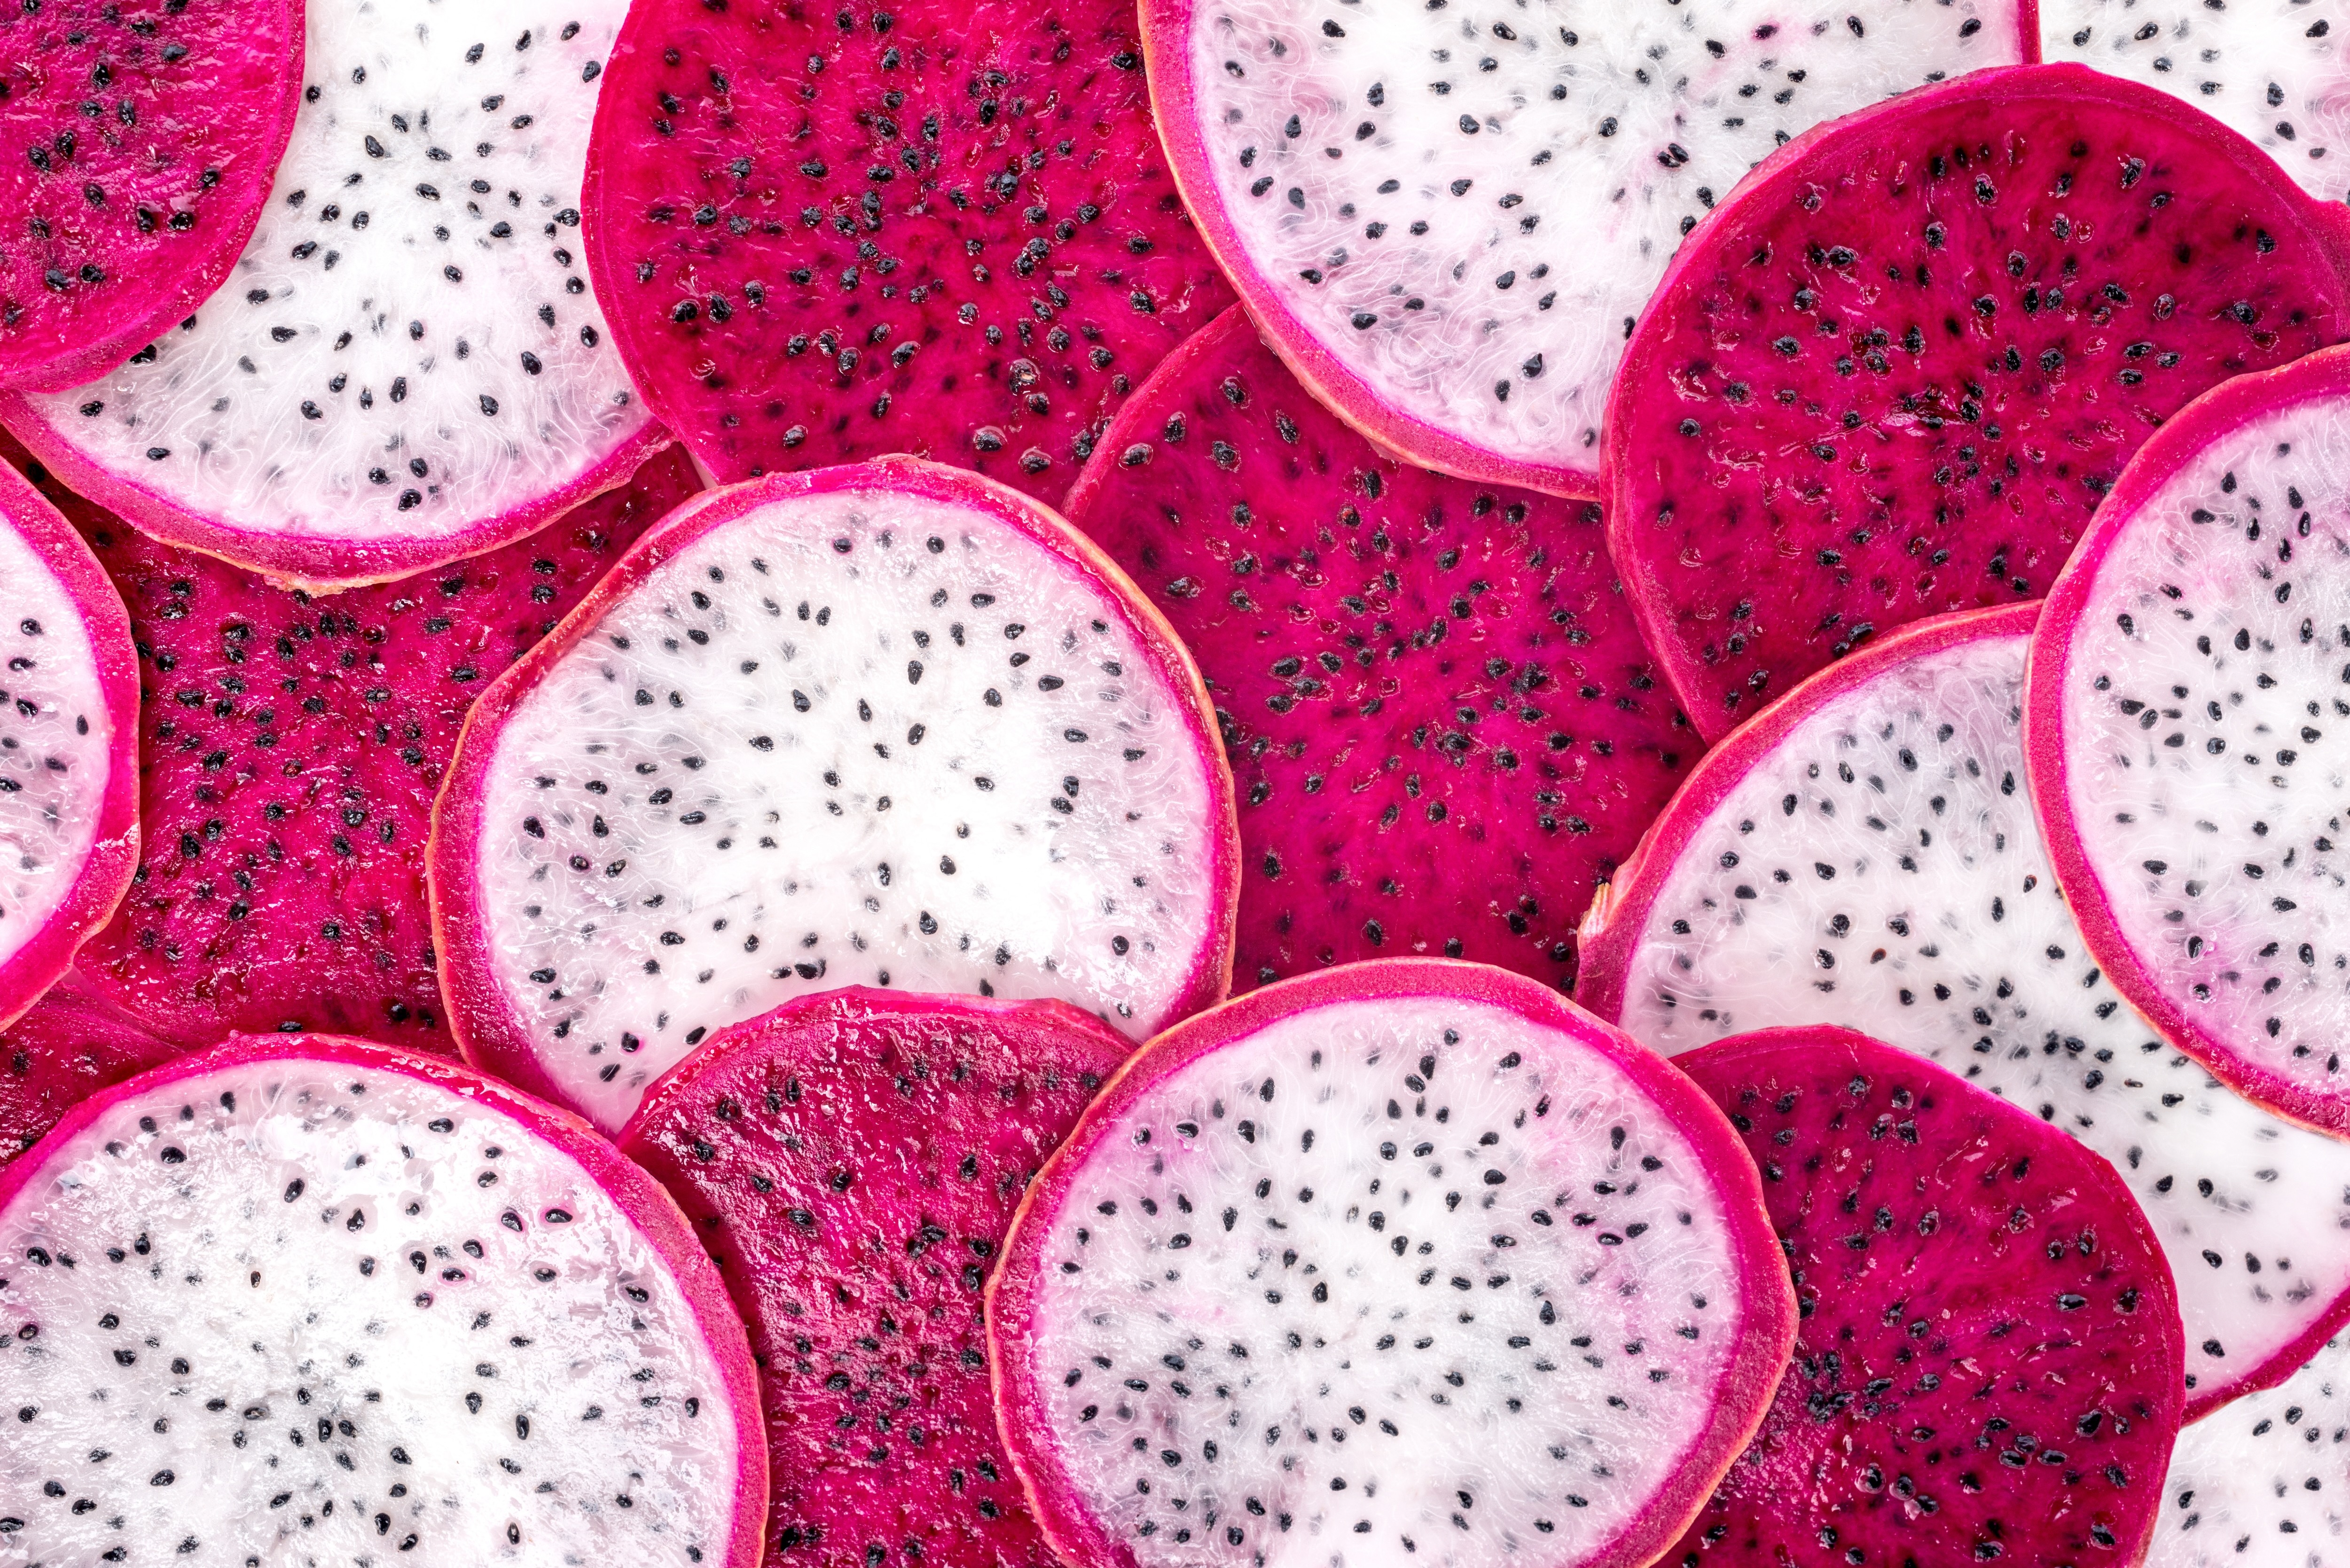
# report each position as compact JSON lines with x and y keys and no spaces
{"x":68,"y":1047}
{"x":1865,"y":854}
{"x":317,"y":1306}
{"x":850,"y":735}
{"x":1450,"y":218}
{"x":2260,"y":1484}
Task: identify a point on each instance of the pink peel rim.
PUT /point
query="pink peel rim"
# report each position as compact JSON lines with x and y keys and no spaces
{"x":2228,"y":407}
{"x":105,"y":872}
{"x":1653,"y":607}
{"x":1766,"y":1329}
{"x":645,"y":1201}
{"x":489,"y":1034}
{"x":315,"y":563}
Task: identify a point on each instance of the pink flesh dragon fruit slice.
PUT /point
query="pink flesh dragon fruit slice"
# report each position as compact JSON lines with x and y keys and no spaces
{"x":2272,"y":70}
{"x":1895,"y":372}
{"x":886,"y":724}
{"x":406,"y":366}
{"x":72,"y":1044}
{"x":852,"y":1161}
{"x":1404,"y":1256}
{"x":1443,"y":726}
{"x":69,"y":745}
{"x":934,"y":227}
{"x":1864,"y":853}
{"x":136,"y":143}
{"x":1987,"y":1364}
{"x":323,"y":1300}
{"x":292,"y":750}
{"x":1447,"y":218}
{"x":2187,"y":735}
{"x":2265,"y":1483}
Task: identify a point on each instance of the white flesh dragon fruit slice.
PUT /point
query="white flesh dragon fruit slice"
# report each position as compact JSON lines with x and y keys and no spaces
{"x":407,"y":367}
{"x":2265,"y":1483}
{"x":1446,"y":218}
{"x":1407,"y":1257}
{"x":886,"y":724}
{"x":314,"y":1299}
{"x":1862,"y":853}
{"x":2272,"y":70}
{"x":2190,"y":732}
{"x":69,"y":745}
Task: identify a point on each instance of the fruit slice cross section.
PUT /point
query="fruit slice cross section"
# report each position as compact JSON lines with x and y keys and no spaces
{"x":2260,"y":1484}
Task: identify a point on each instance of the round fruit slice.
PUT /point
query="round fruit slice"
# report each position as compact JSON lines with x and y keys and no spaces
{"x":138,"y":139}
{"x":2260,"y":1484}
{"x":1987,"y":1364}
{"x":1405,"y":1256}
{"x":1447,"y":219}
{"x":408,"y":365}
{"x":2187,"y":735}
{"x":69,"y":745}
{"x":1897,"y":372}
{"x":852,"y":1161}
{"x":1864,"y":853}
{"x":888,"y":724}
{"x":321,"y":1300}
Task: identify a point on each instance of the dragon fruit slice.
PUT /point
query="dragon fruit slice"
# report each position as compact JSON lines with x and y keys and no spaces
{"x":2271,"y":69}
{"x":1450,"y":237}
{"x":852,"y":1160}
{"x":136,"y":143}
{"x":1988,"y":1358}
{"x":886,"y":724}
{"x":324,"y":1300}
{"x":292,"y":750}
{"x":1222,"y":1334}
{"x":1864,"y":853}
{"x":1443,"y":726}
{"x":2262,"y":1484}
{"x":942,"y":228}
{"x":1896,"y":373}
{"x":69,"y":745}
{"x":72,"y":1044}
{"x":2185,"y":716}
{"x":406,"y":366}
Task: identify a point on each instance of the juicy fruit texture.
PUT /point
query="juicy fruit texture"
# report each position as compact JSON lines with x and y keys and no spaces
{"x":2270,"y":69}
{"x":406,"y":366}
{"x":136,"y":143}
{"x":1448,"y":219}
{"x":72,"y":1044}
{"x":1864,"y":855}
{"x":852,"y":1161}
{"x":1989,"y":1359}
{"x":69,"y":740}
{"x":886,"y":724}
{"x":1443,"y":726}
{"x":1896,"y":373}
{"x":2260,"y":1484}
{"x":941,"y":228}
{"x":1244,"y":1315}
{"x":2187,"y":735}
{"x":324,"y":1299}
{"x":292,"y":747}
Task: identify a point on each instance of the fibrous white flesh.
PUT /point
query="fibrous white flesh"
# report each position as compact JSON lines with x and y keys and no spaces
{"x":247,"y":1317}
{"x":1915,"y":903}
{"x":340,"y":386}
{"x":1401,"y":1277}
{"x":2271,"y":69}
{"x":2208,"y":738}
{"x":1470,"y":211}
{"x":56,"y":743}
{"x":779,"y":767}
{"x":2264,"y":1483}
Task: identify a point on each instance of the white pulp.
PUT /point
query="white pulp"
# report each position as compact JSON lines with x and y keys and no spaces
{"x":2264,"y":1483}
{"x":811,"y":751}
{"x":1469,"y":203}
{"x":246,"y":1317}
{"x":1907,"y":895}
{"x":1384,"y":1309}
